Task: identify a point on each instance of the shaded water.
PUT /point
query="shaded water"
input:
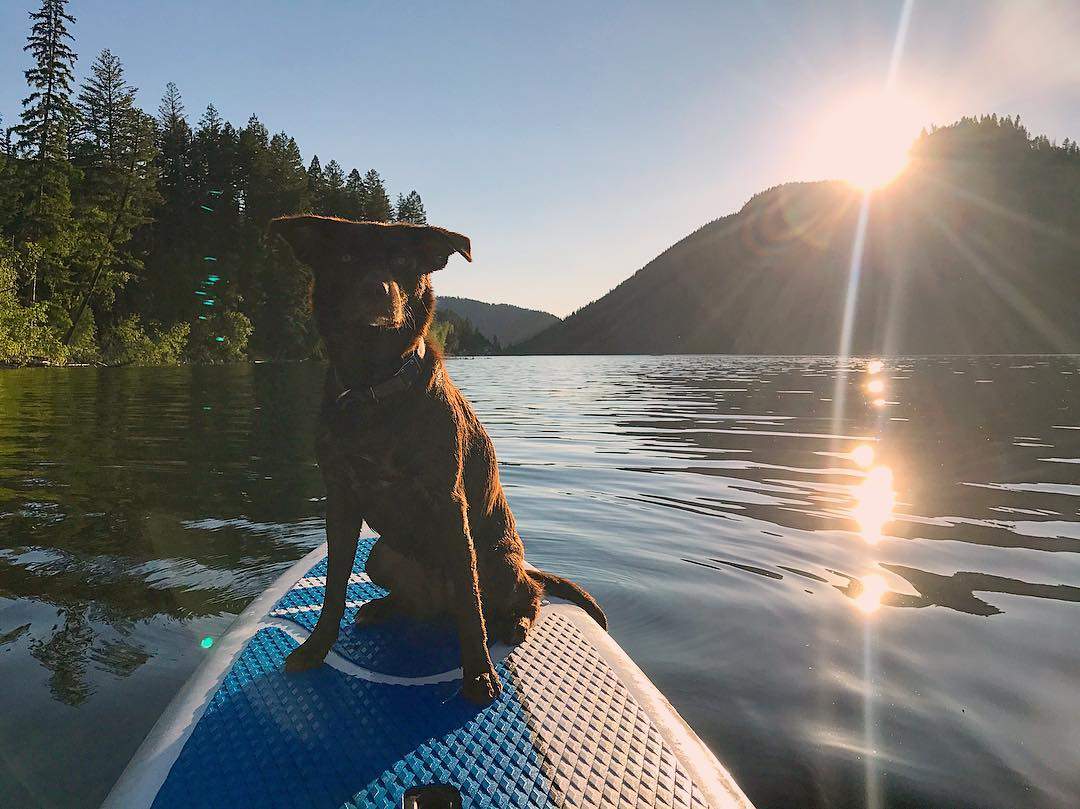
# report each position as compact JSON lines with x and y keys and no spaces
{"x":877,"y":609}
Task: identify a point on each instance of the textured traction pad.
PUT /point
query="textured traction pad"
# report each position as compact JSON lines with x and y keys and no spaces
{"x":565,"y":732}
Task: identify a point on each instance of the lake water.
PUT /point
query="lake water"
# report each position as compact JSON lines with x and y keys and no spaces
{"x":879,"y":607}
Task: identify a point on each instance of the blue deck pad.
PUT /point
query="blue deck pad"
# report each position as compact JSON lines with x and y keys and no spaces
{"x":400,"y":648}
{"x":566,"y":731}
{"x":325,"y":739}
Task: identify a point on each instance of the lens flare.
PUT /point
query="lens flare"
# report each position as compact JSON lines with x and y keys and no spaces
{"x":871,"y":589}
{"x":875,"y":385}
{"x":875,"y":367}
{"x":874,"y":503}
{"x":863,"y":455}
{"x":864,"y":137}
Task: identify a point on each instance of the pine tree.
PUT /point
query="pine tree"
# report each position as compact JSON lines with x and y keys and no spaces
{"x":47,"y":113}
{"x":214,"y":155}
{"x":252,"y":184}
{"x":9,"y":180}
{"x":377,"y":204}
{"x":315,"y":184}
{"x":106,"y":107}
{"x":255,"y":194}
{"x":120,"y":192}
{"x":211,"y":120}
{"x":171,"y":108}
{"x":280,"y":307}
{"x":161,"y":293}
{"x":335,"y":199}
{"x":411,"y":209}
{"x":217,"y":232}
{"x":289,"y":176}
{"x":174,"y":154}
{"x":354,"y":196}
{"x":116,"y":153}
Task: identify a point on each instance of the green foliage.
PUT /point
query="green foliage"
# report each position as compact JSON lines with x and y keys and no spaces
{"x":315,"y":184}
{"x":503,"y":324}
{"x":411,"y":209}
{"x":25,"y":334}
{"x":112,"y":222}
{"x":46,"y":119}
{"x":129,"y":343}
{"x":80,"y":340}
{"x":116,"y":154}
{"x":377,"y":205}
{"x":354,"y":196}
{"x":334,"y":199}
{"x":10,"y":191}
{"x":222,"y":338}
{"x":456,"y":335}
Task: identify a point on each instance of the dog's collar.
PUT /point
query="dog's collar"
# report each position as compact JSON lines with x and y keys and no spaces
{"x":402,"y":380}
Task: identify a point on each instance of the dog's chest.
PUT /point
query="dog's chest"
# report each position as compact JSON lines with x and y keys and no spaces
{"x":371,"y":461}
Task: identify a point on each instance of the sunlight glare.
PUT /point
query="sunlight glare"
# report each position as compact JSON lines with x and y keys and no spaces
{"x":875,"y":367}
{"x":873,"y":588}
{"x":875,"y":386}
{"x":863,"y":455}
{"x":864,"y":138}
{"x":874,"y":502}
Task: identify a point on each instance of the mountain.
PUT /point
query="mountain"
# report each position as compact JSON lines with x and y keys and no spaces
{"x":974,"y":249}
{"x":499,"y":321}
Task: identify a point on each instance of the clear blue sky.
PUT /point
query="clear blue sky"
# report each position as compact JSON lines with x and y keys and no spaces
{"x":573,"y":142}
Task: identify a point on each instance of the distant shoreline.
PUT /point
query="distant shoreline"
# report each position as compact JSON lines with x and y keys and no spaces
{"x":858,"y":358}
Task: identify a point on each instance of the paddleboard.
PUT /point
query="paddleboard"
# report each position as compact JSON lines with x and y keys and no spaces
{"x":383,"y":724}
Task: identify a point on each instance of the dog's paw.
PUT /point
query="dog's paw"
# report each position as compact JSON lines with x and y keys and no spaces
{"x":514,"y":634}
{"x":482,"y":690}
{"x":304,"y":657}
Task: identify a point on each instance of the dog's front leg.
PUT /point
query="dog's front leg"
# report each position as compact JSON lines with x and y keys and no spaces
{"x":480,"y":684}
{"x":343,"y":524}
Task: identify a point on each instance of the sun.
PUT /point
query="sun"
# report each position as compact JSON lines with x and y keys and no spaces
{"x":864,"y":138}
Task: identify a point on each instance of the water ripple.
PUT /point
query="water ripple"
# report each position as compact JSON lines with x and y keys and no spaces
{"x":898,"y":583}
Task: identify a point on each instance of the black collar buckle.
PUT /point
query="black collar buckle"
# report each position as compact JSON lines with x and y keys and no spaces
{"x":404,"y":378}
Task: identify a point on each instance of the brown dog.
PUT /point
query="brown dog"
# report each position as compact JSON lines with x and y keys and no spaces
{"x":400,"y":447}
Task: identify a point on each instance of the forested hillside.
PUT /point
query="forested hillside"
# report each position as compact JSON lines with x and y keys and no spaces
{"x":458,"y":335}
{"x":501,"y":323}
{"x":136,"y":237}
{"x":974,"y":249}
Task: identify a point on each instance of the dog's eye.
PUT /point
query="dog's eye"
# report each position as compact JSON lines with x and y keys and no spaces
{"x":400,"y":261}
{"x":346,"y":258}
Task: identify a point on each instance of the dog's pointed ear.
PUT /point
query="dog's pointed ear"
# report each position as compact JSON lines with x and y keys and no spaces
{"x":309,"y":236}
{"x":451,"y":242}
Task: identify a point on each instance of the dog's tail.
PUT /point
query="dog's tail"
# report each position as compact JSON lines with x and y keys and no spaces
{"x":566,"y":589}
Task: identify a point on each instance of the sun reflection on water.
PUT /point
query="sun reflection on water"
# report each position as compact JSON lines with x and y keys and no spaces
{"x":871,"y":590}
{"x":863,"y":455}
{"x":874,"y":502}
